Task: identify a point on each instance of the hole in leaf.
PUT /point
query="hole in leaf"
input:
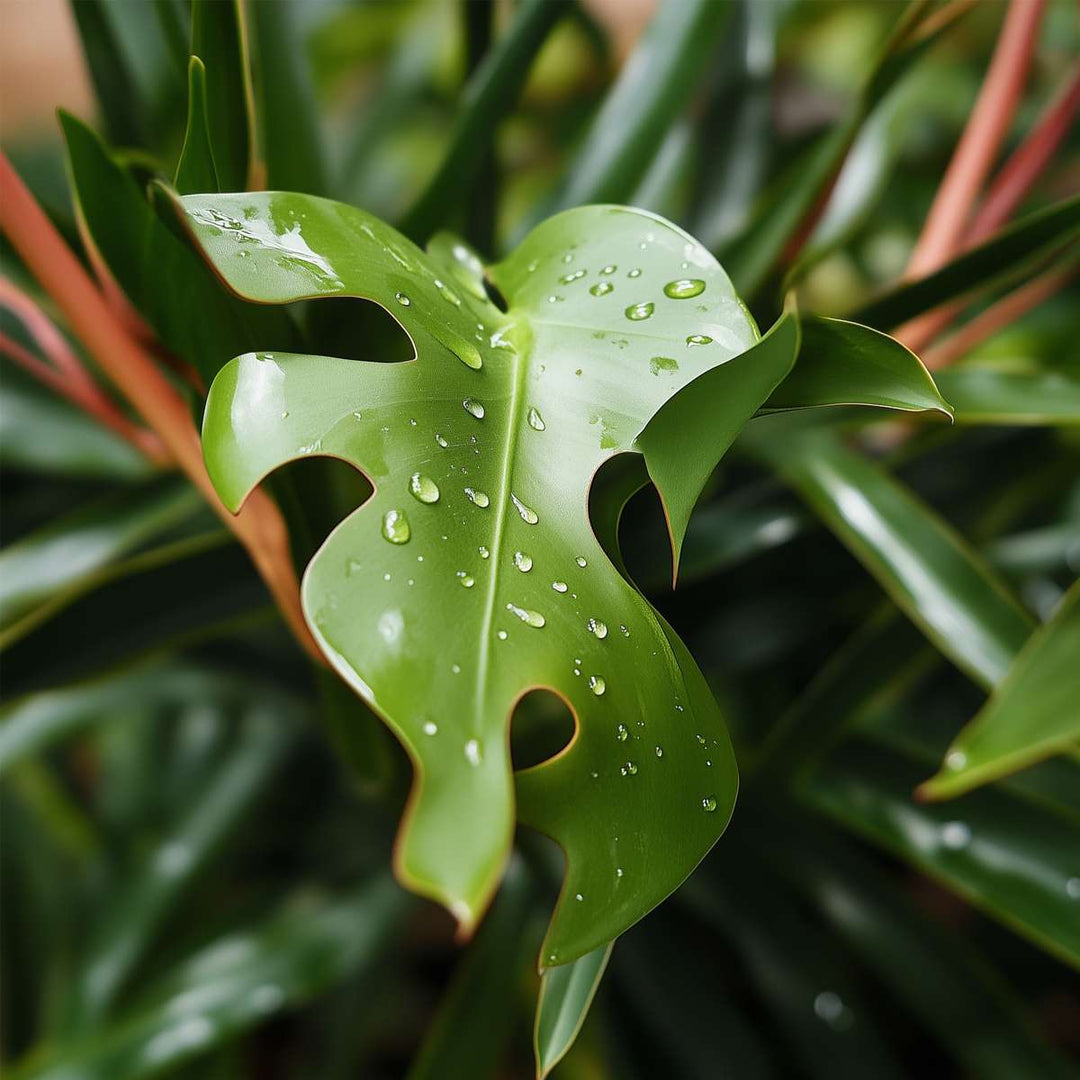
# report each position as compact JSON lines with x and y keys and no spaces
{"x":495,"y":295}
{"x":355,"y":329}
{"x":541,"y":726}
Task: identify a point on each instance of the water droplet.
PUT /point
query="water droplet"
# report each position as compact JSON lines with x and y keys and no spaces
{"x":523,"y":561}
{"x":659,"y":751}
{"x":700,"y":739}
{"x":636,"y":272}
{"x":829,"y":1007}
{"x":597,"y":684}
{"x":467,"y":353}
{"x":609,"y":269}
{"x":568,"y":257}
{"x":595,"y":626}
{"x":554,"y":299}
{"x":955,"y":759}
{"x":477,"y":498}
{"x":441,"y":441}
{"x":577,"y":275}
{"x":559,"y":586}
{"x":402,"y":299}
{"x":663,"y":363}
{"x":527,"y":616}
{"x":285,"y":414}
{"x":455,"y":668}
{"x":637,"y":312}
{"x":431,"y":728}
{"x":698,"y":339}
{"x":578,"y":896}
{"x":622,"y":733}
{"x":423,"y":488}
{"x":473,"y":408}
{"x":395,"y":527}
{"x":630,"y":768}
{"x":955,"y":835}
{"x":602,"y":288}
{"x":447,"y":294}
{"x":708,"y":804}
{"x":580,"y":560}
{"x":466,"y":579}
{"x":624,"y":630}
{"x":473,"y":754}
{"x":684,"y":288}
{"x":484,"y":553}
{"x":536,"y":421}
{"x":528,"y":515}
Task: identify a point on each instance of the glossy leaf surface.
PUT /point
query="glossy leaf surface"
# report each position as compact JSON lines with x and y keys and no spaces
{"x":196,"y":170}
{"x":1034,"y":712}
{"x":482,"y":453}
{"x":982,"y":395}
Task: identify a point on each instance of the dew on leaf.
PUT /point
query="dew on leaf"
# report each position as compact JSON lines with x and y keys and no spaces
{"x":708,"y":804}
{"x":536,"y":421}
{"x":659,"y":751}
{"x":395,"y":527}
{"x":596,"y":627}
{"x":431,"y":728}
{"x":663,"y":363}
{"x":597,"y":684}
{"x":473,"y":754}
{"x":636,"y":272}
{"x":559,"y":586}
{"x":624,"y":630}
{"x":402,"y":299}
{"x":527,"y":616}
{"x":637,"y":312}
{"x":684,"y":288}
{"x":698,"y":339}
{"x":580,"y":560}
{"x":484,"y":553}
{"x":441,"y":441}
{"x":528,"y":515}
{"x":423,"y":488}
{"x":622,"y":733}
{"x":523,"y":561}
{"x":566,"y":279}
{"x":955,"y":760}
{"x":602,"y":288}
{"x":466,"y":579}
{"x":501,"y":635}
{"x":473,"y":408}
{"x":477,"y":498}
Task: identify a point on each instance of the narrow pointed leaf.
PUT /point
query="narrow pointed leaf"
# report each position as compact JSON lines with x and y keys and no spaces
{"x":565,"y":996}
{"x":943,"y":585}
{"x":843,"y":363}
{"x":986,"y":396}
{"x":196,"y":170}
{"x":490,"y":438}
{"x":1033,"y":713}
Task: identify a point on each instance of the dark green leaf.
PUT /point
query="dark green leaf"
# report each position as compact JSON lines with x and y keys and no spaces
{"x":982,"y":395}
{"x":196,"y":171}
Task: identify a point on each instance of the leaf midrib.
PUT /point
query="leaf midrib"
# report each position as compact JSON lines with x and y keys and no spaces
{"x":509,"y":451}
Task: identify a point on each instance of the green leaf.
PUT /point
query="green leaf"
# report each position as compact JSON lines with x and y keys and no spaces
{"x":38,"y":571}
{"x":528,"y":404}
{"x":1033,"y":713}
{"x":565,"y":996}
{"x":288,"y":117}
{"x":843,"y":363}
{"x":161,"y":276}
{"x":694,"y":428}
{"x":218,"y":39}
{"x":1007,"y":253}
{"x":232,"y":985}
{"x":196,"y":170}
{"x":477,"y":1014}
{"x":1011,"y":857}
{"x":931,"y":573}
{"x":983,"y":395}
{"x":653,"y":88}
{"x":490,"y":93}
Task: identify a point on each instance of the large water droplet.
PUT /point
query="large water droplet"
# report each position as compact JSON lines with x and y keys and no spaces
{"x":536,"y":421}
{"x":559,"y":586}
{"x":523,"y":561}
{"x":698,"y":339}
{"x":684,"y":288}
{"x":528,"y":515}
{"x":527,"y":616}
{"x":423,"y":488}
{"x":466,"y":579}
{"x":602,"y":288}
{"x":477,"y":498}
{"x":597,"y":684}
{"x":473,"y":408}
{"x":637,"y":312}
{"x":621,"y":733}
{"x":395,"y":527}
{"x":595,"y":626}
{"x":708,"y":804}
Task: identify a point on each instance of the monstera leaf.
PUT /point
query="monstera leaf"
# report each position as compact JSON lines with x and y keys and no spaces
{"x":473,"y":576}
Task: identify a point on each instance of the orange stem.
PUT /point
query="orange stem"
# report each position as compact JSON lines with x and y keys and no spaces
{"x":259,"y":526}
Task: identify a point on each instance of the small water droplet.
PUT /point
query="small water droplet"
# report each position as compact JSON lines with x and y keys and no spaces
{"x":484,"y":553}
{"x":528,"y":515}
{"x":447,"y":294}
{"x":473,"y":408}
{"x":285,"y":414}
{"x":423,"y":488}
{"x":466,"y":579}
{"x":559,"y":586}
{"x":580,"y":560}
{"x":441,"y":441}
{"x":523,"y":561}
{"x":630,"y":768}
{"x":637,"y":312}
{"x":708,"y":804}
{"x":955,"y":835}
{"x":402,"y":299}
{"x":602,"y":288}
{"x":701,"y":739}
{"x":622,"y":733}
{"x":684,"y":288}
{"x":455,"y":668}
{"x":597,"y":684}
{"x":595,"y":626}
{"x":395,"y":527}
{"x":659,"y":751}
{"x":568,"y":257}
{"x":624,"y":630}
{"x":698,"y":339}
{"x":619,"y":871}
{"x":527,"y":616}
{"x":554,"y":299}
{"x":566,"y":279}
{"x":431,"y":728}
{"x":955,"y":759}
{"x":501,"y":635}
{"x":477,"y":498}
{"x":578,"y":896}
{"x":473,"y":754}
{"x":636,"y":272}
{"x":536,"y":421}
{"x":609,"y":269}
